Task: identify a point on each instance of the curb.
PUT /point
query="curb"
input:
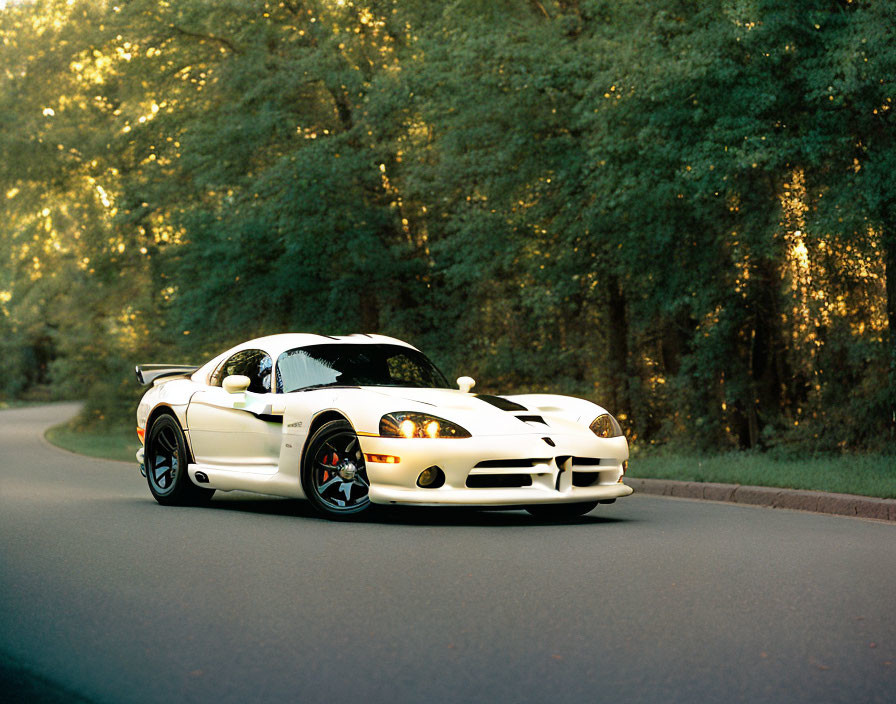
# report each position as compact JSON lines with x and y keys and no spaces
{"x":771,"y":497}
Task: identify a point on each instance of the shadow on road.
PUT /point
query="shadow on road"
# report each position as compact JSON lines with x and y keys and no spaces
{"x":19,"y":684}
{"x":404,"y":515}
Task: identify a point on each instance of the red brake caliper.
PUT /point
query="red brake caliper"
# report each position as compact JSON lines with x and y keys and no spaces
{"x":327,"y":460}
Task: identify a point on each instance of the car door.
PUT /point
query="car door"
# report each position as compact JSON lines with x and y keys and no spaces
{"x":238,"y":430}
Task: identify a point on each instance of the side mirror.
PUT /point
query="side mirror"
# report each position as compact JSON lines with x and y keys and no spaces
{"x":465,"y":383}
{"x":236,"y":383}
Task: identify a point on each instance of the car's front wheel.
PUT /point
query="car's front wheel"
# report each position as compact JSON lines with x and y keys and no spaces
{"x":334,"y":475}
{"x":166,"y":458}
{"x":561,"y":512}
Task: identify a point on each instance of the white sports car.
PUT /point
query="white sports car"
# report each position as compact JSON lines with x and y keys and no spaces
{"x":356,"y":420}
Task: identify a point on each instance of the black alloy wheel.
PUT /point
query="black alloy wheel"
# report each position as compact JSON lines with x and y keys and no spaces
{"x":334,"y":475}
{"x":165,"y":457}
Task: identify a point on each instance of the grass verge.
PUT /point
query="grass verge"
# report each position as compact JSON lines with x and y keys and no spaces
{"x":7,"y":404}
{"x":113,"y":444}
{"x":866,"y":475}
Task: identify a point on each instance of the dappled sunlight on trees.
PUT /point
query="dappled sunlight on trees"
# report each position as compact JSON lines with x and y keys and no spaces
{"x":682,"y":211}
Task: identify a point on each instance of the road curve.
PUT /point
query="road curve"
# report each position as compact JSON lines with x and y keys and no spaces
{"x":109,"y":596}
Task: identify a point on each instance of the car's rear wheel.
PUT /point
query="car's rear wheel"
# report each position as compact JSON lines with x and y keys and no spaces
{"x":166,"y":459}
{"x":561,"y":512}
{"x":334,"y":475}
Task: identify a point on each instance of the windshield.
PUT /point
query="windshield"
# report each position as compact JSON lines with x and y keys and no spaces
{"x":355,"y":365}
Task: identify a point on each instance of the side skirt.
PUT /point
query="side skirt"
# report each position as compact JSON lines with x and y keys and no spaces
{"x":263,"y":480}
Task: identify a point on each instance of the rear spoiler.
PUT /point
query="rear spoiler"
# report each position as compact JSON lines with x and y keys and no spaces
{"x":148,"y":373}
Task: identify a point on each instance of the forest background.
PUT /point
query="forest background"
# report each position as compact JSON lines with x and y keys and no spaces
{"x":682,"y":210}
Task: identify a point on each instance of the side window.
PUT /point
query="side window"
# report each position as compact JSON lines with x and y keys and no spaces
{"x":255,"y":364}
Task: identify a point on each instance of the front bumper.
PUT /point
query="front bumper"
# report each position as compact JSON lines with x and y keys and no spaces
{"x":523,"y":496}
{"x":577,"y":468}
{"x":140,"y":462}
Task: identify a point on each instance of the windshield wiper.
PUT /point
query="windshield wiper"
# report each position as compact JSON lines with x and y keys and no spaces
{"x":321,"y":386}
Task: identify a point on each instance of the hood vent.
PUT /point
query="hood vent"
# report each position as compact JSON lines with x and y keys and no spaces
{"x":502,"y":403}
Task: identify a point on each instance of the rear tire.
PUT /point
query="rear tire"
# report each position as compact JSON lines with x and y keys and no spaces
{"x":561,"y":512}
{"x":166,"y":458}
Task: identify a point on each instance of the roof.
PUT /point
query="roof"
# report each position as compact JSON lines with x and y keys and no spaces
{"x":275,"y":345}
{"x":289,"y":340}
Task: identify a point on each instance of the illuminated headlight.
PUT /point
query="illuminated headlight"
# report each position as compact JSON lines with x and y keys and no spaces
{"x":406,"y":424}
{"x":605,"y":426}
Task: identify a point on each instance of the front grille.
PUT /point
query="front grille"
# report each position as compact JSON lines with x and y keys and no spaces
{"x":498,"y":481}
{"x":500,"y":464}
{"x":585,"y":461}
{"x":585,"y":478}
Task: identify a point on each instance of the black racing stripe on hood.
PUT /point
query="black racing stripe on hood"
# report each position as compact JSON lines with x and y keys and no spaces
{"x":502,"y":403}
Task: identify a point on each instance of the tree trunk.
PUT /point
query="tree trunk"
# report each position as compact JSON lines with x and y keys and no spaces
{"x":888,"y":243}
{"x":768,"y":367}
{"x":675,"y":338}
{"x":370,"y":312}
{"x":617,"y":320}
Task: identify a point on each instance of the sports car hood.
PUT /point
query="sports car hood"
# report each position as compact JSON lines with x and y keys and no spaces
{"x":480,"y":417}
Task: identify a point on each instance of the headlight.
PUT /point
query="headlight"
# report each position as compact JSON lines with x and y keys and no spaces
{"x":605,"y":426}
{"x":406,"y":424}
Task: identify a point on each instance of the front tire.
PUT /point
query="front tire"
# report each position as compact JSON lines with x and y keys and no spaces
{"x":334,"y":475}
{"x":561,"y":512}
{"x":166,"y":458}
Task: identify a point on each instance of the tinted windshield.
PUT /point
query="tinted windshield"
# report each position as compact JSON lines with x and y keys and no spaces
{"x":356,"y":365}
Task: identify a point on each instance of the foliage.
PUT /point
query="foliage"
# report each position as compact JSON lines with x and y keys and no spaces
{"x":683,"y":211}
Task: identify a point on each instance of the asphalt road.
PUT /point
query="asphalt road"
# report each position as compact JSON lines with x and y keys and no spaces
{"x":108,"y":596}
